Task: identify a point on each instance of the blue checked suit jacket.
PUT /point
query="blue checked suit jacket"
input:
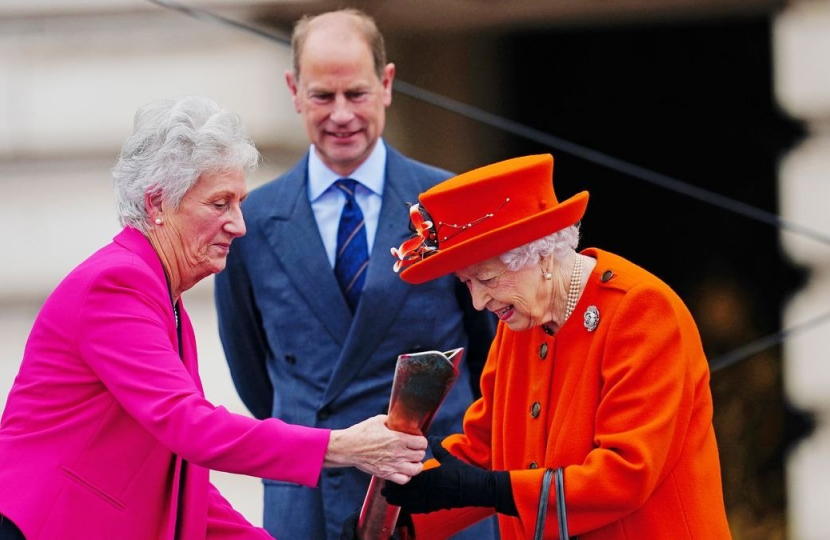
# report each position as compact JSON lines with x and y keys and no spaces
{"x":297,"y":353}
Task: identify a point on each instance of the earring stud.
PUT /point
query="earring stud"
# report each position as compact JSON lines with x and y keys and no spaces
{"x":158,"y":221}
{"x":547,"y":275}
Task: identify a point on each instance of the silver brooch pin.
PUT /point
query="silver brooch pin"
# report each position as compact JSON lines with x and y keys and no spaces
{"x":591,"y":318}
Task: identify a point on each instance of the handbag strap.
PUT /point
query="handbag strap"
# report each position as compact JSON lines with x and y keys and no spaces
{"x":561,"y":514}
{"x":559,"y":482}
{"x":543,"y":505}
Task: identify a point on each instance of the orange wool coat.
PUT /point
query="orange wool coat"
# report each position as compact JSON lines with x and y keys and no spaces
{"x":626,"y":409}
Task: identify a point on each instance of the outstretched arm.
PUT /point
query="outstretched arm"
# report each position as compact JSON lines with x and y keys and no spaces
{"x":375,"y":449}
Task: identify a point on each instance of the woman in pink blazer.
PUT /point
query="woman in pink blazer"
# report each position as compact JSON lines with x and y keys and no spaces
{"x":106,"y":433}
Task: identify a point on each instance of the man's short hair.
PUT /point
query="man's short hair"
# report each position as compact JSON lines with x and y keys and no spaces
{"x":363,"y":23}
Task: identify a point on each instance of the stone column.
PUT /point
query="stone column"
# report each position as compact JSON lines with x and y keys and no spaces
{"x":802,"y":77}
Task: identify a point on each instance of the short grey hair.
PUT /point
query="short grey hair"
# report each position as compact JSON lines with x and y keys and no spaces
{"x":559,"y":244}
{"x":173,"y":143}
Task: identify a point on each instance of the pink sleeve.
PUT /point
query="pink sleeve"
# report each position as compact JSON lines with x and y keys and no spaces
{"x":123,"y":335}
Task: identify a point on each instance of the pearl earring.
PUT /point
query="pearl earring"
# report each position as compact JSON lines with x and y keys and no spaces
{"x":545,"y":274}
{"x":158,"y":221}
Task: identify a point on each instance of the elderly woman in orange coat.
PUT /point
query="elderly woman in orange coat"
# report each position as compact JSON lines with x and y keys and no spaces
{"x":596,"y":410}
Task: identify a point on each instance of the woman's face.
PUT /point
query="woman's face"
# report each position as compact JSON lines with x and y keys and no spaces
{"x":207,"y":220}
{"x":518,"y":298}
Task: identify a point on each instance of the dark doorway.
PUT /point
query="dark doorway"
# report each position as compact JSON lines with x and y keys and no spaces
{"x":693,"y":101}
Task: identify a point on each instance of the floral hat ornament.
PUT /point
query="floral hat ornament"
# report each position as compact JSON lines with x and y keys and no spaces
{"x":483,"y":213}
{"x":419,"y":246}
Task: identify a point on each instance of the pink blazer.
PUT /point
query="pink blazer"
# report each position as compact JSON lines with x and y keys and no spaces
{"x":107,"y":433}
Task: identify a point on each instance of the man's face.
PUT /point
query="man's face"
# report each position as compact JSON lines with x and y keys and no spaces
{"x":341,"y":99}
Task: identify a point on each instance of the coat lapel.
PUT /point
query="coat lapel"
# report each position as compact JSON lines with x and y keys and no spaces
{"x":188,"y":352}
{"x":292,"y":233}
{"x":384,"y":292}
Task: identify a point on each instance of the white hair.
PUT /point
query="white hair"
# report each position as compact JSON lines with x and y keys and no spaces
{"x":173,"y":143}
{"x":559,"y":244}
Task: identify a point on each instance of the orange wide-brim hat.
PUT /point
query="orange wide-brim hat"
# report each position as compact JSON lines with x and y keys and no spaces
{"x":483,"y":213}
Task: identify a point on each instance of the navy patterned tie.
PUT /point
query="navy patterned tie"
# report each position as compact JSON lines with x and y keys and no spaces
{"x":352,"y":256}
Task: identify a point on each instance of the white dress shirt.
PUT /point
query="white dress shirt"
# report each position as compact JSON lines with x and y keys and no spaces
{"x":327,"y":201}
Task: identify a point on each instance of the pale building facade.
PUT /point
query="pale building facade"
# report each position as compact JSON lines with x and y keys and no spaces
{"x":802,"y":67}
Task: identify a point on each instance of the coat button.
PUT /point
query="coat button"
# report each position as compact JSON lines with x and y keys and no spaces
{"x":533,"y":465}
{"x":291,"y":359}
{"x":543,"y":351}
{"x":535,"y":409}
{"x":324,"y":413}
{"x":606,"y":276}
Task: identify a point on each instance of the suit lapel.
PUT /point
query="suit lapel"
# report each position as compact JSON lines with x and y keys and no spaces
{"x":293,"y":235}
{"x":384,"y":292}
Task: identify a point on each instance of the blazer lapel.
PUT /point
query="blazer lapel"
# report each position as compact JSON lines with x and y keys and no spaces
{"x":188,"y":352}
{"x":292,"y":233}
{"x":384,"y":292}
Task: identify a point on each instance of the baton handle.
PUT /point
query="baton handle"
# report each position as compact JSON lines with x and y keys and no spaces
{"x":422,"y":381}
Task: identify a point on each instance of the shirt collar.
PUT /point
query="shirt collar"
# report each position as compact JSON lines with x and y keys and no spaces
{"x":370,"y":173}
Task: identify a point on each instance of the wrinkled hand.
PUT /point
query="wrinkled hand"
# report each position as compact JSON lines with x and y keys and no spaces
{"x":375,"y":449}
{"x":454,"y":484}
{"x":404,"y":529}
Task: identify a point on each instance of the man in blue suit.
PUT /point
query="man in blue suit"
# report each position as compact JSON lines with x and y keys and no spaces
{"x":299,"y":347}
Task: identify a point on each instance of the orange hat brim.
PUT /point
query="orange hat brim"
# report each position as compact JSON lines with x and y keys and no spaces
{"x":497,"y":241}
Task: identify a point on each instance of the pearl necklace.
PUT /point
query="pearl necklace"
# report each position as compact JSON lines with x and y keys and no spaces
{"x":573,"y":288}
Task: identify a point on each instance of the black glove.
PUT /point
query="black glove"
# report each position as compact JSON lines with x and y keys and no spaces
{"x":404,"y":529}
{"x":454,"y":484}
